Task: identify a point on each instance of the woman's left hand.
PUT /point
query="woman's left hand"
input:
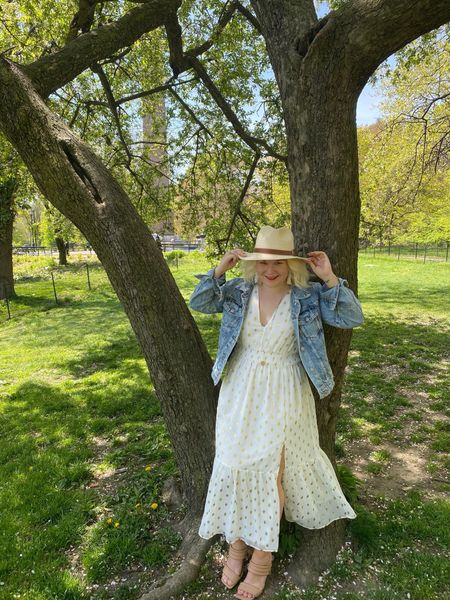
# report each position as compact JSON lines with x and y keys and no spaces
{"x":320,"y":264}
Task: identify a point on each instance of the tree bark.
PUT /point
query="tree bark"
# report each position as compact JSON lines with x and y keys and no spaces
{"x":61,"y":245}
{"x":77,"y":183}
{"x":7,"y":189}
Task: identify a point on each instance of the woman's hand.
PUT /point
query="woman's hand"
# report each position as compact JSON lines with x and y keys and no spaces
{"x":228,"y":261}
{"x":320,"y":264}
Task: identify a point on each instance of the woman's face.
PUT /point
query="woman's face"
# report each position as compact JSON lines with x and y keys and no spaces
{"x":272,"y":273}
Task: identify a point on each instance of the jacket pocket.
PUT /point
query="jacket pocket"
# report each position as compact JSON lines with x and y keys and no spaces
{"x":310,"y":323}
{"x":232,"y":307}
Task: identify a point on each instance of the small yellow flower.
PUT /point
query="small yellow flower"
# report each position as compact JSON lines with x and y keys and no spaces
{"x":109,"y":520}
{"x":116,"y":524}
{"x":154,"y":505}
{"x":148,"y":467}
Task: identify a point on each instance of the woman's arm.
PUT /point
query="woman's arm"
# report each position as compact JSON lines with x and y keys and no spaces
{"x":208,"y":295}
{"x":339,"y":306}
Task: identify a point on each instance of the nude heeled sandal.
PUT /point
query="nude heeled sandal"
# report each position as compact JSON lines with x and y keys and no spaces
{"x":236,"y":554}
{"x":256,"y":568}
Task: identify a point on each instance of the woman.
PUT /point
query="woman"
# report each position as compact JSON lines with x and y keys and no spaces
{"x":267,"y":444}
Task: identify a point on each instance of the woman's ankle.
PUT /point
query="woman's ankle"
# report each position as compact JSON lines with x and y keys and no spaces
{"x":262,"y":554}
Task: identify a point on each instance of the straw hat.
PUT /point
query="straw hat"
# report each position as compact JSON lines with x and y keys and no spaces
{"x":273,"y":244}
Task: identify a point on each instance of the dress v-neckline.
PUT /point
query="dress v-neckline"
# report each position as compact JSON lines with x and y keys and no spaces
{"x":273,"y":313}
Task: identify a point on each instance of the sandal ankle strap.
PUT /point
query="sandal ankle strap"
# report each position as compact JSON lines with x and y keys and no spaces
{"x":237,"y":553}
{"x":260,"y":568}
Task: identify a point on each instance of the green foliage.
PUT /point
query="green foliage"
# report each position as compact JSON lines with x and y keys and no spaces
{"x":404,"y":175}
{"x":290,"y":538}
{"x":174,"y":255}
{"x":365,"y":528}
{"x":349,"y":483}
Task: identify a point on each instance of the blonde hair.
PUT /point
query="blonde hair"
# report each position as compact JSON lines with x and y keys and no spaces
{"x":298,"y":273}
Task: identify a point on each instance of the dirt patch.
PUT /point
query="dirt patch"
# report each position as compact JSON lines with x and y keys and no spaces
{"x":406,"y":467}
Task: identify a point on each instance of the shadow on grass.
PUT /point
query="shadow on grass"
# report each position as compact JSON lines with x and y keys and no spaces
{"x":49,"y":456}
{"x":389,"y":361}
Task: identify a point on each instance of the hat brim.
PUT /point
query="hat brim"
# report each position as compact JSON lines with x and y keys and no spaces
{"x":262,"y":256}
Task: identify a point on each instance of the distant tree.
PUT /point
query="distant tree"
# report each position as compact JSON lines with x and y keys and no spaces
{"x":405,"y":157}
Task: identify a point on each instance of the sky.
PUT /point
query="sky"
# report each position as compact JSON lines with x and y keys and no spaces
{"x":367,"y":111}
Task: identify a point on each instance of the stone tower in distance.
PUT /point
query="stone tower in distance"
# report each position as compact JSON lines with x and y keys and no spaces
{"x":154,"y":133}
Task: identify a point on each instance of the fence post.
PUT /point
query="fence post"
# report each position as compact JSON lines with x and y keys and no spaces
{"x":54,"y":288}
{"x":88,"y":279}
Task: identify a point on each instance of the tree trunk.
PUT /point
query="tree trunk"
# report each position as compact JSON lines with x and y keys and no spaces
{"x":319,"y":107}
{"x":7,"y":189}
{"x":61,"y":245}
{"x":77,"y":183}
{"x":323,"y":170}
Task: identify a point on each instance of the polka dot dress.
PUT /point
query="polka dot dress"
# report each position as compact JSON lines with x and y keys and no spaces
{"x":265,"y":401}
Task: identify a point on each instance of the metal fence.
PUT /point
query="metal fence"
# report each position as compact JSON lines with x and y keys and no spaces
{"x":166,"y":246}
{"x":415,"y":251}
{"x":83,"y":269}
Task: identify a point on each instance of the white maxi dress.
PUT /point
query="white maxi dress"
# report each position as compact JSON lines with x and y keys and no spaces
{"x":265,"y":402}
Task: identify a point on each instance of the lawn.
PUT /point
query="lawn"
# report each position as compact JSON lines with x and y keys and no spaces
{"x":85,"y":453}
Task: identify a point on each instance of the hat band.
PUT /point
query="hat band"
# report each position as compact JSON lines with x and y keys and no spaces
{"x":272,"y":251}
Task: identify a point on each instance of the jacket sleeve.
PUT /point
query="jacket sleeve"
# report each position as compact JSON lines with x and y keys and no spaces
{"x":339,"y":306}
{"x":208,"y":295}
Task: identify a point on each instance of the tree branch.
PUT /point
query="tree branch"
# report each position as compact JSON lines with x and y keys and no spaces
{"x":225,"y":107}
{"x":237,"y":211}
{"x":52,"y":71}
{"x":181,"y":61}
{"x":171,"y":83}
{"x":377,"y":28}
{"x":250,"y":17}
{"x":97,"y":69}
{"x":188,"y":109}
{"x":224,"y":19}
{"x":83,"y":18}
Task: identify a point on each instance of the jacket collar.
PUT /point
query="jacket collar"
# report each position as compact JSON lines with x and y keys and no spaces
{"x":296,"y":292}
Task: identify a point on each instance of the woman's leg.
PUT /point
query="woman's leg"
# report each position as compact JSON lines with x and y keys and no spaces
{"x":260,"y":556}
{"x":234,"y":563}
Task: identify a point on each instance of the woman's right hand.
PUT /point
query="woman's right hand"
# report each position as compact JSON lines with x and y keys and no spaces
{"x":228,"y":261}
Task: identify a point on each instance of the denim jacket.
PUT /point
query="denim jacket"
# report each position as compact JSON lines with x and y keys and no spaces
{"x":310,"y":306}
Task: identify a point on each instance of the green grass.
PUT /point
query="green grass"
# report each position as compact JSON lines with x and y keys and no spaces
{"x":85,"y":453}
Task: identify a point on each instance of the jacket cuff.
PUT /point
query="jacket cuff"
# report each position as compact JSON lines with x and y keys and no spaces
{"x":331,"y":295}
{"x":218,"y":281}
